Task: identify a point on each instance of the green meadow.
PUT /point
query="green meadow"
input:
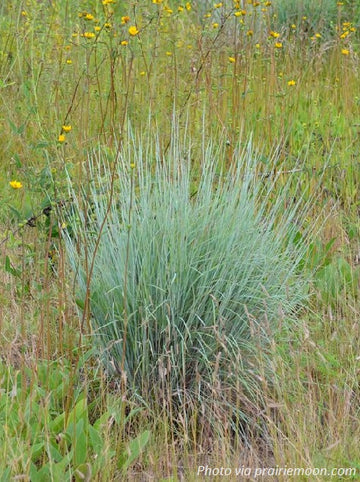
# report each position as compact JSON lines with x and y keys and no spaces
{"x":179,"y":240}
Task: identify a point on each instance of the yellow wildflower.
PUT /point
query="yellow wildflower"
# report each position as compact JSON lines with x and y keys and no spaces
{"x":278,"y":45}
{"x":125,"y":19}
{"x":215,"y":25}
{"x":133,"y":30}
{"x":232,"y":60}
{"x":16,"y":184}
{"x":345,"y":51}
{"x":124,"y":43}
{"x":318,"y":35}
{"x":66,"y":128}
{"x":188,"y":6}
{"x":61,"y":138}
{"x":291,"y":83}
{"x":218,"y":5}
{"x":69,"y":61}
{"x":89,"y":16}
{"x":89,"y":35}
{"x":249,"y":33}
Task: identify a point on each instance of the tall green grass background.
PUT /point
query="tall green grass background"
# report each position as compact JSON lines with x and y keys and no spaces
{"x":180,"y":253}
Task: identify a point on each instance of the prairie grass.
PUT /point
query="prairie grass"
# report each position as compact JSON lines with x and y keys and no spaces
{"x":187,"y":277}
{"x":75,"y":83}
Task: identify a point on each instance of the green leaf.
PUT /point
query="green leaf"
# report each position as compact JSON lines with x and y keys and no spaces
{"x":16,"y":212}
{"x":15,"y":129}
{"x":80,"y":443}
{"x":54,"y":453}
{"x":9,"y":269}
{"x":43,"y":475}
{"x":66,"y":460}
{"x":96,"y":440}
{"x":58,"y":424}
{"x":101,"y":420}
{"x":41,"y":145}
{"x":329,"y":245}
{"x":58,"y":473}
{"x":83,"y":473}
{"x":133,"y":451}
{"x":36,"y":451}
{"x":6,"y":475}
{"x":80,"y":303}
{"x":18,"y":162}
{"x":34,"y":474}
{"x":78,"y":412}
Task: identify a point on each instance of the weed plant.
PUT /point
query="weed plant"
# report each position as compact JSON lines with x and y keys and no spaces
{"x":189,"y":281}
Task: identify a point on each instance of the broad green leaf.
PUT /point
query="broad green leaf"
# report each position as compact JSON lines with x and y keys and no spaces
{"x":80,"y":443}
{"x":79,"y":411}
{"x":58,"y":424}
{"x":134,"y":449}
{"x":34,"y":474}
{"x":66,"y":460}
{"x":54,"y":453}
{"x":43,"y":475}
{"x":36,"y":451}
{"x":96,"y":440}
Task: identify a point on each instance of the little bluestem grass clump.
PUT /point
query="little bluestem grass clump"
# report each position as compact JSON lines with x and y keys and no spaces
{"x":187,"y":275}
